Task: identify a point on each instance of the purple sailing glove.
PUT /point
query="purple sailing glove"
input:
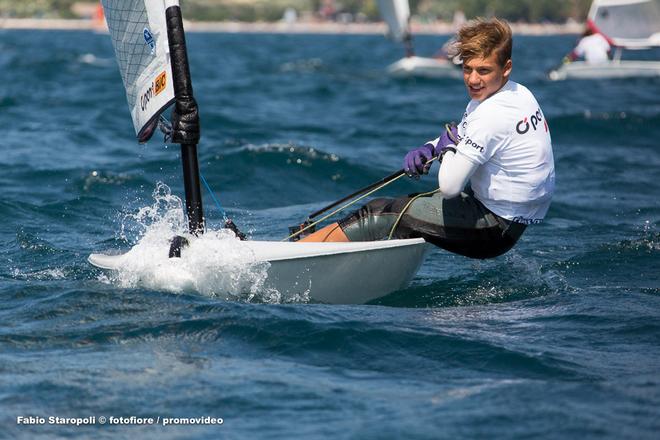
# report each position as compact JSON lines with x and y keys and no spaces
{"x":417,"y":161}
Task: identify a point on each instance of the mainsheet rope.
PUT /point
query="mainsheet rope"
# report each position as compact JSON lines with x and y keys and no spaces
{"x":165,"y":127}
{"x":217,"y":203}
{"x":341,"y":208}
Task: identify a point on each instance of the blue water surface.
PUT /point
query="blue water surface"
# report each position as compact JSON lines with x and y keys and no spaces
{"x":560,"y":338}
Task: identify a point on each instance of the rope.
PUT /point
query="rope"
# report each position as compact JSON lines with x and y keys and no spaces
{"x":217,"y":203}
{"x":341,"y":208}
{"x":405,"y":208}
{"x":165,"y":126}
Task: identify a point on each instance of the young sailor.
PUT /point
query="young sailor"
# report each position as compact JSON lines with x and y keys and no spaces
{"x":501,"y":147}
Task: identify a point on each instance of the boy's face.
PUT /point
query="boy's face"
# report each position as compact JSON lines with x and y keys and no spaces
{"x":484,"y":76}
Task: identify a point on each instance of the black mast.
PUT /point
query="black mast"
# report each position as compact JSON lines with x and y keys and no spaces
{"x":407,"y":41}
{"x":185,"y":119}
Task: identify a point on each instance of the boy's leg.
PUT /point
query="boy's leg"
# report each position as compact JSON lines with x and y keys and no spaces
{"x":331,"y":232}
{"x":462,"y":225}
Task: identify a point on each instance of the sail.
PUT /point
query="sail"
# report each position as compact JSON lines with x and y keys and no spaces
{"x":633,"y":24}
{"x":139,"y":37}
{"x":396,"y":14}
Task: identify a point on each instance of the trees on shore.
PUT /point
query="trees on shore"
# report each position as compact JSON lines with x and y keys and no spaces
{"x":532,"y":11}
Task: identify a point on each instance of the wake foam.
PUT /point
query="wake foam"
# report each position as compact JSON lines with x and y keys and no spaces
{"x":215,"y":264}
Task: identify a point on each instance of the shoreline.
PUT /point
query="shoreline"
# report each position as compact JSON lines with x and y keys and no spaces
{"x":438,"y":28}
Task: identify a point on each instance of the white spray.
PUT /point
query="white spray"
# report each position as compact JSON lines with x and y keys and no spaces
{"x":215,"y":264}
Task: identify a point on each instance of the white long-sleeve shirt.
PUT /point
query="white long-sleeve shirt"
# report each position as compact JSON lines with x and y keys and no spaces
{"x":593,"y":48}
{"x":505,"y":152}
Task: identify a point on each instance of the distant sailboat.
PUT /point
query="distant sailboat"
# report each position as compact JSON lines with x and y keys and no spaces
{"x":150,"y":48}
{"x":629,"y":25}
{"x":396,"y":14}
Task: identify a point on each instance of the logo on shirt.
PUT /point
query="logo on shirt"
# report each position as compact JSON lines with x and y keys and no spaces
{"x":523,"y":126}
{"x":473,"y":144}
{"x":464,"y":121}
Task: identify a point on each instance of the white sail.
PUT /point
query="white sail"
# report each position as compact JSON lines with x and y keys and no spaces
{"x":633,"y":24}
{"x":396,"y":14}
{"x":139,"y":37}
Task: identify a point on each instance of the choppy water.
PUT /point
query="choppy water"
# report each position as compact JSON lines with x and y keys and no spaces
{"x":560,"y":338}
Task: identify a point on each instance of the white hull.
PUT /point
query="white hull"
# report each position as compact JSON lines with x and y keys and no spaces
{"x":333,"y":273}
{"x":424,"y":68}
{"x":611,"y":69}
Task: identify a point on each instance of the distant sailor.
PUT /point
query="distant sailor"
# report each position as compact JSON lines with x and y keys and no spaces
{"x":593,"y":47}
{"x":502,"y":147}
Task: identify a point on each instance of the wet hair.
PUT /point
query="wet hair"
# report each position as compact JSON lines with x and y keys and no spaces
{"x":480,"y":38}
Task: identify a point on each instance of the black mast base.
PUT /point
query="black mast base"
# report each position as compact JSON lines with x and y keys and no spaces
{"x":229,"y":224}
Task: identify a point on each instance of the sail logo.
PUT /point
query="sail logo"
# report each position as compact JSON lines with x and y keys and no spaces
{"x":156,"y":87}
{"x":149,"y":39}
{"x":522,"y":126}
{"x":160,"y":84}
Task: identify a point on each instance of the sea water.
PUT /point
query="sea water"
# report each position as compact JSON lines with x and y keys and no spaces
{"x":560,"y":338}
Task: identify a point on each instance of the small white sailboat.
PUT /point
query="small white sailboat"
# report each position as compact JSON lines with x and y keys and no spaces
{"x":331,"y":273}
{"x":630,"y":25}
{"x":421,"y":67}
{"x":150,"y":47}
{"x":396,"y":14}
